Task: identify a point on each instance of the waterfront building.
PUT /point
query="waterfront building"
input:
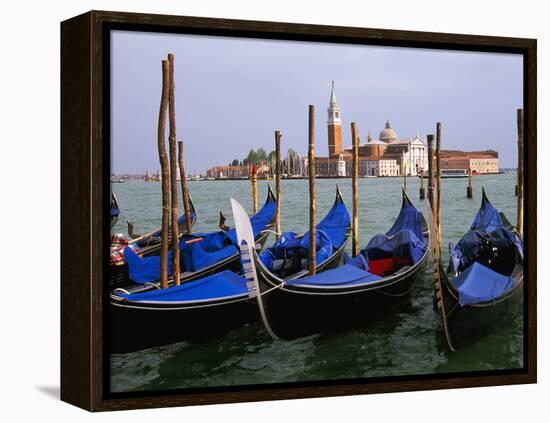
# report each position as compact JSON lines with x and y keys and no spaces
{"x":228,"y":172}
{"x":374,"y":167}
{"x":480,"y":161}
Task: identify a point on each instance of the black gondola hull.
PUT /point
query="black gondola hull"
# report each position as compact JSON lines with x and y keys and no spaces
{"x":470,"y":323}
{"x":134,"y":327}
{"x":294,"y":312}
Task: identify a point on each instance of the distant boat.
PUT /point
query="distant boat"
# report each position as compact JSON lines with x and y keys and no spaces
{"x":450,"y":174}
{"x":117,"y":181}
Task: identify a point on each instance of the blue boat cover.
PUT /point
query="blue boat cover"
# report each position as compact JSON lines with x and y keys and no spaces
{"x":220,"y":285}
{"x":335,"y":224}
{"x":488,"y":242}
{"x":479,"y":283}
{"x":289,"y":245}
{"x":115,"y":211}
{"x":345,"y":275}
{"x":330,"y":235}
{"x":213,"y":248}
{"x":487,"y":219}
{"x":404,"y":239}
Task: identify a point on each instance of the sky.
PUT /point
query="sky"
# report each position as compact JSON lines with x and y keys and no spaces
{"x":233,"y":93}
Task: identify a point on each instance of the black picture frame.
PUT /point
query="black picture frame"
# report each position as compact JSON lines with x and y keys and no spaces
{"x":85,"y":196}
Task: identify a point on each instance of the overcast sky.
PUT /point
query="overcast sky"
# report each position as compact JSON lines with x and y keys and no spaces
{"x":232,"y":93}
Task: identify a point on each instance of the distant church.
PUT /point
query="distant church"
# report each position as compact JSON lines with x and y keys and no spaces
{"x":387,"y":156}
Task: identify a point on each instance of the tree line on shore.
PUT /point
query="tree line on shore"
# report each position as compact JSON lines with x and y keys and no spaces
{"x":259,"y":156}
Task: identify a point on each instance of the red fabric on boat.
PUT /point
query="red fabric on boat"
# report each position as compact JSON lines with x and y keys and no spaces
{"x":381,"y":267}
{"x":387,"y":266}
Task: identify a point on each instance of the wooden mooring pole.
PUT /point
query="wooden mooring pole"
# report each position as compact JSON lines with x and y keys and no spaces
{"x":469,"y":190}
{"x":430,"y":139}
{"x":278,"y":183}
{"x":254,"y":182}
{"x":173,"y":173}
{"x":438,"y":180}
{"x":520,"y":172}
{"x":355,"y":190}
{"x":184,"y":191}
{"x":422,"y":192}
{"x":165,"y":184}
{"x":312,"y":201}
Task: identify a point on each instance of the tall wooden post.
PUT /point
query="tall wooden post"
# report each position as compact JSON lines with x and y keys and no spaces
{"x":254,"y":182}
{"x":278,"y":183}
{"x":312,"y":201}
{"x":422,"y":193}
{"x":355,"y":190}
{"x":430,"y":139}
{"x":173,"y":174}
{"x":184,"y":191}
{"x":438,"y":181}
{"x":165,"y":185}
{"x":469,"y":190}
{"x":520,"y":172}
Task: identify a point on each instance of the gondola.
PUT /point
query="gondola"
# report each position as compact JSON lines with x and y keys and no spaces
{"x":352,"y":294}
{"x":483,"y":284}
{"x":201,"y":254}
{"x":204,"y":308}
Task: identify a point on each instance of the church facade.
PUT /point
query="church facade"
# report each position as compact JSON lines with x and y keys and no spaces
{"x":388,"y":155}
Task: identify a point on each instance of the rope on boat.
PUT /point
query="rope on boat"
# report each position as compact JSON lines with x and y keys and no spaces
{"x":272,"y":288}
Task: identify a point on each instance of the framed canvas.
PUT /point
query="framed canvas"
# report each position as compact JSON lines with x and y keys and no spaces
{"x":374,"y":150}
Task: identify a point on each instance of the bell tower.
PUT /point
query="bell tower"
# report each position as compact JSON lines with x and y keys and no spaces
{"x":334,"y":124}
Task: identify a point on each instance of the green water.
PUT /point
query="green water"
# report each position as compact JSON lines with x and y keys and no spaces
{"x":408,"y":342}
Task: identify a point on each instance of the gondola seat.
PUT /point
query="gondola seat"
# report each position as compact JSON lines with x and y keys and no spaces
{"x":290,"y":252}
{"x":387,"y":254}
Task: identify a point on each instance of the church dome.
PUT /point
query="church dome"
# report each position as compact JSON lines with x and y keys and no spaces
{"x":387,"y":134}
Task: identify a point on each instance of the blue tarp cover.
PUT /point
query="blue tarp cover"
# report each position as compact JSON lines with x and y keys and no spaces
{"x":345,"y":275}
{"x":479,"y":283}
{"x":219,"y":285}
{"x":335,"y":224}
{"x":289,"y":244}
{"x":487,"y":236}
{"x":214,"y":247}
{"x":487,"y":219}
{"x":115,"y":212}
{"x":405,"y":238}
{"x":330,"y":235}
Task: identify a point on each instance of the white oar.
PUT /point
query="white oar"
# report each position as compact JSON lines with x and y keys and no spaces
{"x":247,"y":245}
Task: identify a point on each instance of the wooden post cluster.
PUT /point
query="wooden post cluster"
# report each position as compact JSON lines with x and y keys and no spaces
{"x":312,"y":201}
{"x":520,"y":171}
{"x":254,"y":182}
{"x":165,"y":183}
{"x":278,"y":183}
{"x":173,"y":174}
{"x":469,"y":190}
{"x":438,"y":166}
{"x":430,"y":139}
{"x":184,"y":191}
{"x":355,"y":190}
{"x":422,"y":192}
